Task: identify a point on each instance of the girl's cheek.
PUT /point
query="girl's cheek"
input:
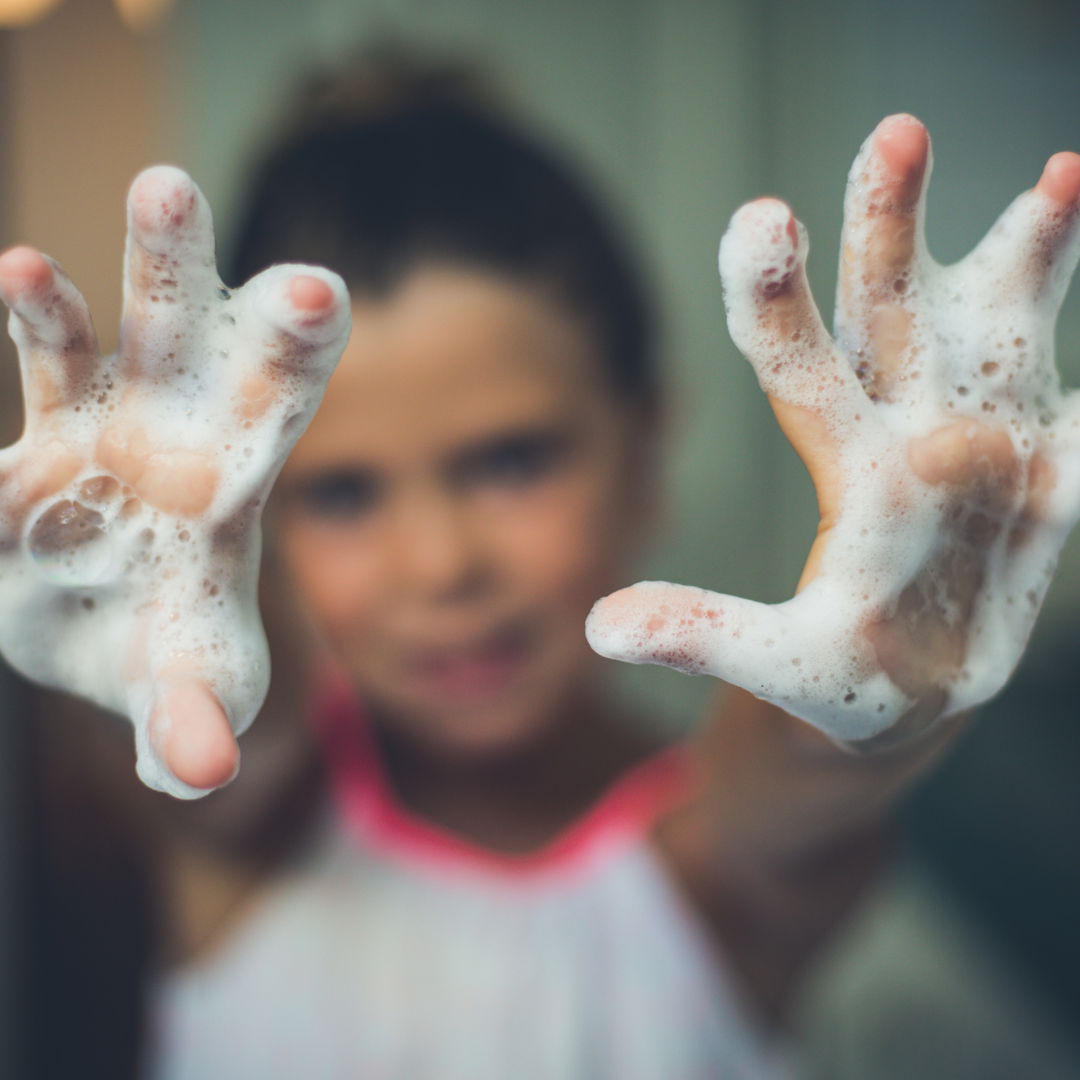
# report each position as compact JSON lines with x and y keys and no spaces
{"x":336,"y":580}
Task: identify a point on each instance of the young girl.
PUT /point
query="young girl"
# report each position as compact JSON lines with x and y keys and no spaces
{"x":511,"y":880}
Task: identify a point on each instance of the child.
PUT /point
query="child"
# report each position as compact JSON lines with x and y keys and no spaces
{"x":514,"y":881}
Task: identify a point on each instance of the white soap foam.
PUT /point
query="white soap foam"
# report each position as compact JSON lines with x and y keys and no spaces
{"x":970,"y":350}
{"x":108,"y":582}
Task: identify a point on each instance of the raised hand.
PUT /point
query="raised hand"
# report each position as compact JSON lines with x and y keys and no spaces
{"x":945,"y":456}
{"x":129,"y":509}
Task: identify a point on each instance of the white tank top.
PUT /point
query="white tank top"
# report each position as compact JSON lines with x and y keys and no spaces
{"x":399,"y":951}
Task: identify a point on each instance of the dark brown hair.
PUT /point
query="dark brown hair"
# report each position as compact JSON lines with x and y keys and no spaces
{"x":397,"y":164}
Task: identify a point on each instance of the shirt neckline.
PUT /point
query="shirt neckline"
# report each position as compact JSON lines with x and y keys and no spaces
{"x":366,"y":804}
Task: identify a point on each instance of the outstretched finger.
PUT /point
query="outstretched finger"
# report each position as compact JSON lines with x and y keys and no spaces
{"x":1060,"y":180}
{"x":304,"y":312}
{"x":298,"y":318}
{"x":169,"y":262}
{"x":775,"y":323}
{"x":50,"y":324}
{"x":881,"y":241}
{"x":800,"y":655}
{"x":1036,"y":242}
{"x":882,"y":208}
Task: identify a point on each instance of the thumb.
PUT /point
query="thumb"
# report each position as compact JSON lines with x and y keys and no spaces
{"x":189,"y":747}
{"x":801,"y":655}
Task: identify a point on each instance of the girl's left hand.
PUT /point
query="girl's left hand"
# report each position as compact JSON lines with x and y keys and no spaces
{"x":945,"y":456}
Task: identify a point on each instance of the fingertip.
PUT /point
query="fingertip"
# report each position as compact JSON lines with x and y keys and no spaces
{"x":766,"y":226}
{"x":645,"y":605}
{"x":765,"y":210}
{"x":761,"y":257}
{"x":23,"y":269}
{"x":903,"y":144}
{"x":194,"y":738}
{"x":608,"y":614}
{"x":161,"y":200}
{"x":308,"y":303}
{"x":310,"y":294}
{"x":614,"y":606}
{"x":655,"y":622}
{"x":1060,"y":178}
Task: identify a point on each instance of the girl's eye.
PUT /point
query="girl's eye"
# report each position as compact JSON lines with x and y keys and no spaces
{"x":338,"y":495}
{"x":512,"y":462}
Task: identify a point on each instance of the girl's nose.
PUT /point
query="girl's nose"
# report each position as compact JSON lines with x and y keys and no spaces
{"x":438,"y":555}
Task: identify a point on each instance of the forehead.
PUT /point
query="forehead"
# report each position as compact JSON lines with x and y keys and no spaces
{"x":449,"y":356}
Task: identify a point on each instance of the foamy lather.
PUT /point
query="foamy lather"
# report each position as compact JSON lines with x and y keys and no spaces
{"x":974,"y":345}
{"x":129,"y":509}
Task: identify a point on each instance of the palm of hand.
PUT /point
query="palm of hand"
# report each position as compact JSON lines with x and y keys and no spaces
{"x":945,"y":455}
{"x":129,"y":509}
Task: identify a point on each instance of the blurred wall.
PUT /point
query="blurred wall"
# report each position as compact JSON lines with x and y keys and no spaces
{"x":84,"y":112}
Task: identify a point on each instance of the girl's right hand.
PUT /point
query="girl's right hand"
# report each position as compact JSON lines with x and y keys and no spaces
{"x":129,"y":509}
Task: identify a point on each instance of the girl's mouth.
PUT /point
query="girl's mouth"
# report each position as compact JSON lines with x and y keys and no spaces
{"x":480,"y":669}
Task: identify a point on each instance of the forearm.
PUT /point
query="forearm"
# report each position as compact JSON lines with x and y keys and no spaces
{"x":775,"y":792}
{"x":783,"y":833}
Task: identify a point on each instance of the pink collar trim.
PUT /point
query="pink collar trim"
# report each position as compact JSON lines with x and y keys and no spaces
{"x":621,"y":817}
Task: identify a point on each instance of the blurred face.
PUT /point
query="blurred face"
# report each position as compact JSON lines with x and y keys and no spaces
{"x":464,"y":495}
